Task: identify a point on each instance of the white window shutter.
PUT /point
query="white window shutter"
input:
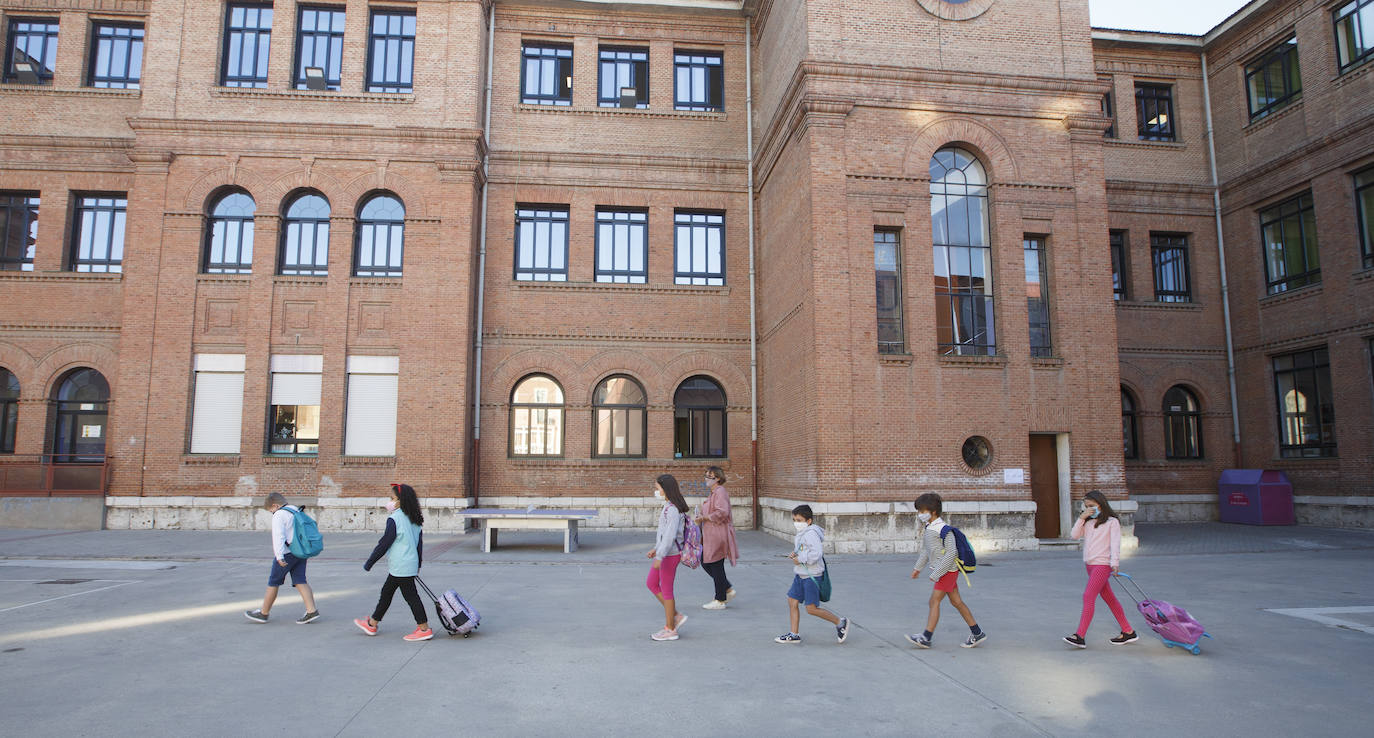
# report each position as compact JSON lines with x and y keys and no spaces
{"x":217,"y":417}
{"x":295,"y":389}
{"x":370,"y":428}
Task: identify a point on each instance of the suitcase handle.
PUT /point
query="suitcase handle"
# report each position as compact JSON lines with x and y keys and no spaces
{"x":426,"y":588}
{"x":1143,"y":597}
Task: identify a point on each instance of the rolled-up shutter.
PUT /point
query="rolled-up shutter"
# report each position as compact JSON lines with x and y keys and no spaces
{"x":370,"y":425}
{"x":295,"y":389}
{"x":217,"y":413}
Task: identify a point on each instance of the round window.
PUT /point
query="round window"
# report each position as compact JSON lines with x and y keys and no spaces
{"x":956,"y":10}
{"x":977,"y":453}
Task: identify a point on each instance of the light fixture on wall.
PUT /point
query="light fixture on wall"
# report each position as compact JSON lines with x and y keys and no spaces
{"x":628,"y":97}
{"x":314,"y":78}
{"x":27,"y":73}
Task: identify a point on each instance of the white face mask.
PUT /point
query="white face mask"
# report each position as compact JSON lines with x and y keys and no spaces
{"x":391,"y":506}
{"x":923,"y":517}
{"x":799,"y":525}
{"x":658,"y":493}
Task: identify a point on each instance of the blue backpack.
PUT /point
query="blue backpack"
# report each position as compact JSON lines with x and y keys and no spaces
{"x":964,"y":556}
{"x":307,"y":540}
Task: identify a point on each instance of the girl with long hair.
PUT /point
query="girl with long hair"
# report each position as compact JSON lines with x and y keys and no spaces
{"x":1100,"y":529}
{"x":666,"y":553}
{"x":403,"y":545}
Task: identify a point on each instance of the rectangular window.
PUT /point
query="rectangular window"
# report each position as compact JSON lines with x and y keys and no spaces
{"x":887,"y":270}
{"x":33,"y":42}
{"x":19,"y":231}
{"x":391,"y":52}
{"x":1273,"y":81}
{"x":370,"y":423}
{"x":548,"y":75}
{"x":1038,"y":295}
{"x":319,"y":44}
{"x":116,"y":56}
{"x":1354,"y":32}
{"x":247,"y":43}
{"x":622,"y":246}
{"x":1306,"y":408}
{"x":1154,"y":111}
{"x":541,"y":244}
{"x":1109,"y":112}
{"x":622,"y":68}
{"x":1289,"y":233}
{"x":699,"y":245}
{"x":698,"y":81}
{"x":1364,"y":214}
{"x":295,"y":411}
{"x":98,"y":245}
{"x":1119,"y":278}
{"x":1173,"y":282}
{"x":217,"y":409}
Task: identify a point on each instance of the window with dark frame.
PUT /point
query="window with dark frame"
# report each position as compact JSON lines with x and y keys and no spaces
{"x":80,"y":418}
{"x":1173,"y":280}
{"x":622,"y":246}
{"x":1182,"y":424}
{"x":229,"y":237}
{"x":1306,"y":406}
{"x":295,"y":430}
{"x":1154,"y":109}
{"x":1288,"y":232}
{"x":34,"y":41}
{"x":116,"y":56}
{"x":9,"y":409}
{"x":1120,"y":280}
{"x":698,"y":81}
{"x":98,"y":242}
{"x":19,"y":231}
{"x":380,"y":244}
{"x":699,"y":419}
{"x":1038,"y":295}
{"x":247,"y":45}
{"x":548,"y":74}
{"x":541,"y":243}
{"x":319,"y":44}
{"x":1273,"y":81}
{"x":1364,"y":214}
{"x":619,"y":418}
{"x":1130,"y":445}
{"x":536,"y":417}
{"x":621,"y":68}
{"x":391,"y":52}
{"x":887,"y":272}
{"x":1109,"y":111}
{"x":305,"y":237}
{"x":964,"y":318}
{"x":1354,"y":22}
{"x":699,"y":246}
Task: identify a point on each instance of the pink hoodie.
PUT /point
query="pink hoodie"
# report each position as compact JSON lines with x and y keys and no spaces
{"x":1101,"y":543}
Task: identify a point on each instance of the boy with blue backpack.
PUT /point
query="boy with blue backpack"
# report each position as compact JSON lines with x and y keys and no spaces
{"x":293,"y":541}
{"x":948,"y":553}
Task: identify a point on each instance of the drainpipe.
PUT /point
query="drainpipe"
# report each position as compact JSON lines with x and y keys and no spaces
{"x":1221,"y":259}
{"x":482,"y":265}
{"x":753,"y":316}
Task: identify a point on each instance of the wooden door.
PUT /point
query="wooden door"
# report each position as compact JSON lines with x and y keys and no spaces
{"x":1044,"y":479}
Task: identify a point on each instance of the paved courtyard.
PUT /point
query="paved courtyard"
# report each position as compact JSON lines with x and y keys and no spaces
{"x":141,"y":633}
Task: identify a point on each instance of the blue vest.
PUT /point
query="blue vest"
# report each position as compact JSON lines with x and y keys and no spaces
{"x":402,"y":558}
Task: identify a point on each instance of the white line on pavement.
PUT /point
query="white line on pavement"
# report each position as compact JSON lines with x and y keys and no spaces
{"x":92,"y":564}
{"x":1322,"y":615}
{"x":65,"y":596}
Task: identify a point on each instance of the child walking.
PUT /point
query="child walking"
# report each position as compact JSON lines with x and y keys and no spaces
{"x":284,"y":562}
{"x":403,"y":545}
{"x":809,"y":565}
{"x":1102,"y":556}
{"x":937,"y":547}
{"x":666,"y":553}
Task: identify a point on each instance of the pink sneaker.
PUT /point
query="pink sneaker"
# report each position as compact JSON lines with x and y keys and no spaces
{"x":420,"y":634}
{"x":665,"y":635}
{"x":364,"y":626}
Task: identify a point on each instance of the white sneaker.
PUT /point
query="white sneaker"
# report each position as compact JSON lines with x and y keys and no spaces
{"x":714,"y":605}
{"x":730,"y":594}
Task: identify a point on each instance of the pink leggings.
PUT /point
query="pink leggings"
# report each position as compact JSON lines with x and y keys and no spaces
{"x":1098,"y":584}
{"x":660,"y":580}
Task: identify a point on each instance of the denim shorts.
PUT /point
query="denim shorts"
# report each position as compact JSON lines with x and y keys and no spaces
{"x":805,"y":590}
{"x":294,"y":565}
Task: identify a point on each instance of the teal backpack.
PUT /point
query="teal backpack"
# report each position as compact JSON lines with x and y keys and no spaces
{"x":307,"y":541}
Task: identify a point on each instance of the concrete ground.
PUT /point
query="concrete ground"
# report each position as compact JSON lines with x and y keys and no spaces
{"x":141,"y":633}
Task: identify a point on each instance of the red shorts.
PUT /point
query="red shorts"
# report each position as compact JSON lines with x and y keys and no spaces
{"x":948,"y":583}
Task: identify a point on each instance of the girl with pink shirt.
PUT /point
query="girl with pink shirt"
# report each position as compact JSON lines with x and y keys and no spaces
{"x":1102,"y":555}
{"x":717,"y":537}
{"x":666,"y":553}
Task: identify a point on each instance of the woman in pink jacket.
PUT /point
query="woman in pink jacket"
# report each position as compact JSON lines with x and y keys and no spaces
{"x":717,"y":537}
{"x":1102,"y":555}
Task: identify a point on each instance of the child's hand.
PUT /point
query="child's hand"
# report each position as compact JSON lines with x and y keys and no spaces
{"x":792,"y":556}
{"x":1085,"y":516}
{"x":915,"y":573}
{"x":1116,"y":570}
{"x":651,"y":553}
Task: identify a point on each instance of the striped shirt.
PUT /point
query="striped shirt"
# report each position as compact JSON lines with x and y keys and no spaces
{"x":940,"y":554}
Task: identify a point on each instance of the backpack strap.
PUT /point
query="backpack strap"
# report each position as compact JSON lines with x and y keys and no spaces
{"x":958,"y":564}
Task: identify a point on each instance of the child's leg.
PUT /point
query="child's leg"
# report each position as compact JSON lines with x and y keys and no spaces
{"x":957,"y":600}
{"x":384,"y":601}
{"x":667,"y":573}
{"x":307,"y":596}
{"x":268,"y":599}
{"x":412,"y":595}
{"x":1109,"y":597}
{"x":654,"y":583}
{"x":932,"y":620}
{"x":298,"y":581}
{"x":823,"y":613}
{"x":795,"y":614}
{"x":1097,"y":578}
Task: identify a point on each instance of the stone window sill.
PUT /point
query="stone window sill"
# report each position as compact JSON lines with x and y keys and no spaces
{"x":210,"y":459}
{"x":63,"y":276}
{"x":1175,"y":145}
{"x":1260,"y":123}
{"x":1047,"y":362}
{"x":18,"y":88}
{"x":621,"y":112}
{"x":672,"y":289}
{"x":289,"y":460}
{"x":294,"y":279}
{"x":362,"y":461}
{"x":896,"y":359}
{"x":388,"y":282}
{"x":998,"y":361}
{"x":1151,"y":305}
{"x":1363,"y":275}
{"x":1301,"y":293}
{"x":257,"y":93}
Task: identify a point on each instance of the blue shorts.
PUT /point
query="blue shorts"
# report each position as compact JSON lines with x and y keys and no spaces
{"x":294,"y":565}
{"x":805,"y":590}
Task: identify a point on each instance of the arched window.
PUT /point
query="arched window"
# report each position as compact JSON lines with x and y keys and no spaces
{"x":82,"y":404}
{"x":619,"y":417}
{"x":9,"y":409}
{"x":963,"y":254}
{"x":1129,"y":428}
{"x":229,"y":237}
{"x":1182,"y":424}
{"x":536,"y":417}
{"x":381,"y":237}
{"x":698,"y":418}
{"x":305,"y":237}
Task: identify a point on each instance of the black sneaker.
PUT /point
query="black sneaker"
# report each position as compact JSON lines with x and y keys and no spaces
{"x":974,"y":640}
{"x":919,"y":639}
{"x":256,"y":616}
{"x":1075,"y":640}
{"x":788,"y":638}
{"x":1125,"y":638}
{"x":309,"y":617}
{"x":842,"y":630}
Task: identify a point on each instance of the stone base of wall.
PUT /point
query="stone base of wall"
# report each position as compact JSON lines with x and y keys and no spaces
{"x":627,"y":513}
{"x":355,"y":514}
{"x":1334,"y":512}
{"x":53,"y":513}
{"x":1175,"y":508}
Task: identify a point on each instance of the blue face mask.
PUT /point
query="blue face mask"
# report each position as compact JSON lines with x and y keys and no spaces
{"x":1094,"y":512}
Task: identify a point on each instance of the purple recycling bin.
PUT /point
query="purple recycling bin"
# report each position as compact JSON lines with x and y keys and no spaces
{"x":1255,"y":497}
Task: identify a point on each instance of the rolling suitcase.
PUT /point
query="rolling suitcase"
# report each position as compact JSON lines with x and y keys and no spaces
{"x":455,"y":614}
{"x":1171,"y":623}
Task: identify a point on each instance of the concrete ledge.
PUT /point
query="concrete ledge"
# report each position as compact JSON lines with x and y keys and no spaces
{"x":891,"y":527}
{"x":245,"y":513}
{"x":53,"y":513}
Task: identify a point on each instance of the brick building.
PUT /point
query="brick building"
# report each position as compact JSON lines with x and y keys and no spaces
{"x":290,"y":246}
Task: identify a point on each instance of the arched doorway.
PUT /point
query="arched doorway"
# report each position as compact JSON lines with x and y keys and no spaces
{"x":81,"y":406}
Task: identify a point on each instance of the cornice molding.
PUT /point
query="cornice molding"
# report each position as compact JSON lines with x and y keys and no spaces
{"x":129,"y":7}
{"x":611,"y":338}
{"x":277,"y":129}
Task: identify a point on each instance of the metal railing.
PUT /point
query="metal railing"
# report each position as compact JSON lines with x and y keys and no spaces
{"x":49,"y":475}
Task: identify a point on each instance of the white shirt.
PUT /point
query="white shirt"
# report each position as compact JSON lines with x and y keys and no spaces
{"x":283,"y":532}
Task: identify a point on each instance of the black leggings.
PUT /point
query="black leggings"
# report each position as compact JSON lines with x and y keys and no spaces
{"x":407,"y":587}
{"x":717,"y":571}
